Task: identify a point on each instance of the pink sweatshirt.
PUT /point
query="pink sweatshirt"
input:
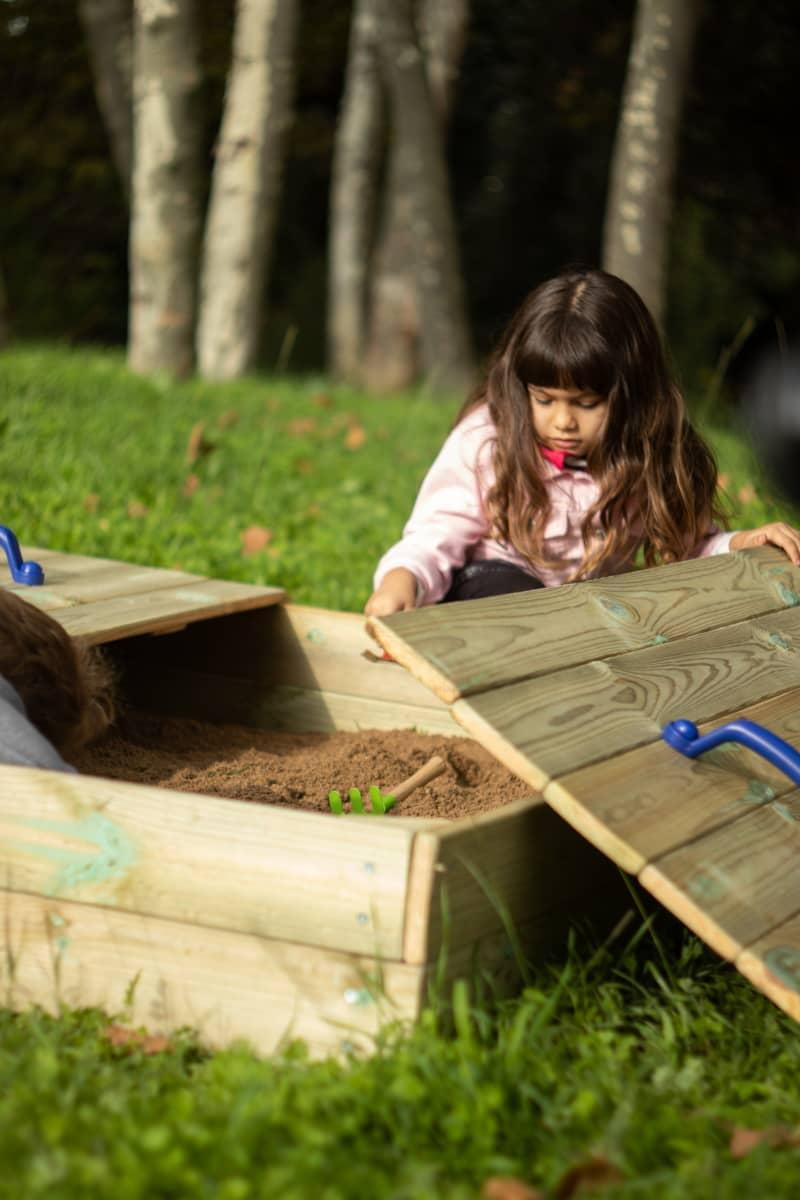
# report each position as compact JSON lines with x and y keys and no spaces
{"x":448,"y":525}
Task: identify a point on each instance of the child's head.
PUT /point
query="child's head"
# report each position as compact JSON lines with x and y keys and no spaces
{"x":589,"y":331}
{"x":64,"y":683}
{"x":588,"y":334}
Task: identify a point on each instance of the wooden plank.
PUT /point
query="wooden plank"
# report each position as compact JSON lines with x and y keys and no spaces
{"x":735,"y":884}
{"x":638,"y":806}
{"x":520,"y":864}
{"x":457,"y":650}
{"x":772,"y":964}
{"x":585,"y":714}
{"x":283,"y":873}
{"x":152,"y":612}
{"x":78,"y":579}
{"x":166,"y":976}
{"x":292,"y":646}
{"x":207,"y":697}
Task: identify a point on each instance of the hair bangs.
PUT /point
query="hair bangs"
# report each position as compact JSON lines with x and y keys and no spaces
{"x":573,"y":356}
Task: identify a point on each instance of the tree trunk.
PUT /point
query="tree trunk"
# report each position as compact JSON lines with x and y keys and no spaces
{"x":419,"y":229}
{"x":165,"y":192}
{"x":354,"y":186}
{"x":246,"y":187}
{"x":109,"y":34}
{"x":641,"y":189}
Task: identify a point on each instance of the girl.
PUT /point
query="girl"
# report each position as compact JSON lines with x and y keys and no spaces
{"x":574,"y":453}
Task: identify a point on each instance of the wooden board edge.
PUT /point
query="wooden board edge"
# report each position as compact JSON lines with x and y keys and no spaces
{"x":421,"y":877}
{"x":415,"y":663}
{"x":506,"y":753}
{"x":585,"y":823}
{"x":689,"y":913}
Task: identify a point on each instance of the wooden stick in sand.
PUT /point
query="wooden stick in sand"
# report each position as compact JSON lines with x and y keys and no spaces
{"x":433,"y":767}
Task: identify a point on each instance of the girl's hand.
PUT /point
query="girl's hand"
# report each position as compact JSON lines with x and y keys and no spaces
{"x":397,"y":593}
{"x":776,"y":534}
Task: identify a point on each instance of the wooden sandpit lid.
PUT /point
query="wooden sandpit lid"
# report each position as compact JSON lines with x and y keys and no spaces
{"x":571,"y":688}
{"x":104,"y":600}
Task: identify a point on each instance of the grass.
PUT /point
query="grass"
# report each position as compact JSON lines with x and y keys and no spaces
{"x":644,"y":1057}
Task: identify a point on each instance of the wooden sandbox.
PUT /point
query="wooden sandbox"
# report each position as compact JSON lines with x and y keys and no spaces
{"x":248,"y":921}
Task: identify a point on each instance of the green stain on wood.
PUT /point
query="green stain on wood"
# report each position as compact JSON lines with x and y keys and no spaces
{"x":109,"y":855}
{"x":758,"y":793}
{"x":659,"y":640}
{"x":784,"y":963}
{"x":708,"y":885}
{"x":620,"y":612}
{"x":777,"y":639}
{"x":788,"y":595}
{"x":315,"y":635}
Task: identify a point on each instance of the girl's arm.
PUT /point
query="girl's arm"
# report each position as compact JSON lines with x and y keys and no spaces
{"x":448,"y":518}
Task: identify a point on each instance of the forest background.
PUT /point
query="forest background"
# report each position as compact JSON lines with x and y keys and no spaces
{"x":533,"y":114}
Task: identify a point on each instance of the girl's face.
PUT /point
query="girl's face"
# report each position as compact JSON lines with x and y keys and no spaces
{"x":568,"y":419}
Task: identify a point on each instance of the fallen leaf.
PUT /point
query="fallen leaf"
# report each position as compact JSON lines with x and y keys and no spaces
{"x":136,"y":509}
{"x":355,"y":437}
{"x":149,"y":1043}
{"x":91,"y":501}
{"x":255,"y":539}
{"x":747,"y":493}
{"x":745,"y":1141}
{"x":590,"y":1176}
{"x":506,"y":1187}
{"x":322,"y":400}
{"x":228,"y":418}
{"x":301,"y":425}
{"x":198,"y":446}
{"x":190,"y":485}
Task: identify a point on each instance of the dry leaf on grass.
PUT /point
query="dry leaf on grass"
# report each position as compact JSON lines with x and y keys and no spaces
{"x":590,"y":1176}
{"x":506,"y":1187}
{"x":255,"y":539}
{"x":190,"y":485}
{"x":227,"y":418}
{"x":777,"y":1137}
{"x":137,"y":510}
{"x":301,"y":425}
{"x":91,"y":501}
{"x":322,"y":400}
{"x":149,"y":1043}
{"x":355,"y":437}
{"x":198,"y":446}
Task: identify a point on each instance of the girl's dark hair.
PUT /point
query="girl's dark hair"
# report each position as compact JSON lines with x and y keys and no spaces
{"x":65,"y":684}
{"x":590,"y":330}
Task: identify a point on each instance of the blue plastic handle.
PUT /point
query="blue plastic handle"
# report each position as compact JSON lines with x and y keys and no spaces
{"x":685,"y":737}
{"x":29,"y":573}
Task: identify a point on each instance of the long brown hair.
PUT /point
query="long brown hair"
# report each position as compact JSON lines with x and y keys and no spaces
{"x":590,"y":330}
{"x":66,"y":685}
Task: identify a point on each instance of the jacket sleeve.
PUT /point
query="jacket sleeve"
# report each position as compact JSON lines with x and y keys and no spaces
{"x":448,"y":517}
{"x":716,"y":541}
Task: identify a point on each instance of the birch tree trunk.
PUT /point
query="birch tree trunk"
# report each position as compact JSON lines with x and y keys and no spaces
{"x":354,"y":187}
{"x":641,"y":190}
{"x":419,"y":229}
{"x":165,"y":191}
{"x":245,"y":188}
{"x":108,"y":26}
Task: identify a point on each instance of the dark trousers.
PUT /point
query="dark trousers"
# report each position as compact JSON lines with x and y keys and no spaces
{"x":479,"y":580}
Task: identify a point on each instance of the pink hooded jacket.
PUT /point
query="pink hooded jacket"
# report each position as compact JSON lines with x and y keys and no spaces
{"x":448,"y":525}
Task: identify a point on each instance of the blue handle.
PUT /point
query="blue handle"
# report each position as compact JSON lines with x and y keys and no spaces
{"x":29,"y":573}
{"x":685,"y":737}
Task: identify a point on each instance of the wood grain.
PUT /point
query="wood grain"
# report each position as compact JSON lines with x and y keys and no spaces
{"x":167,"y":975}
{"x":460,"y":649}
{"x":252,"y":868}
{"x":639,"y":805}
{"x":734,"y":885}
{"x":585,"y":714}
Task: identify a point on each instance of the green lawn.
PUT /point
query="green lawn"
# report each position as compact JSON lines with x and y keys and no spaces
{"x":647,"y":1056}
